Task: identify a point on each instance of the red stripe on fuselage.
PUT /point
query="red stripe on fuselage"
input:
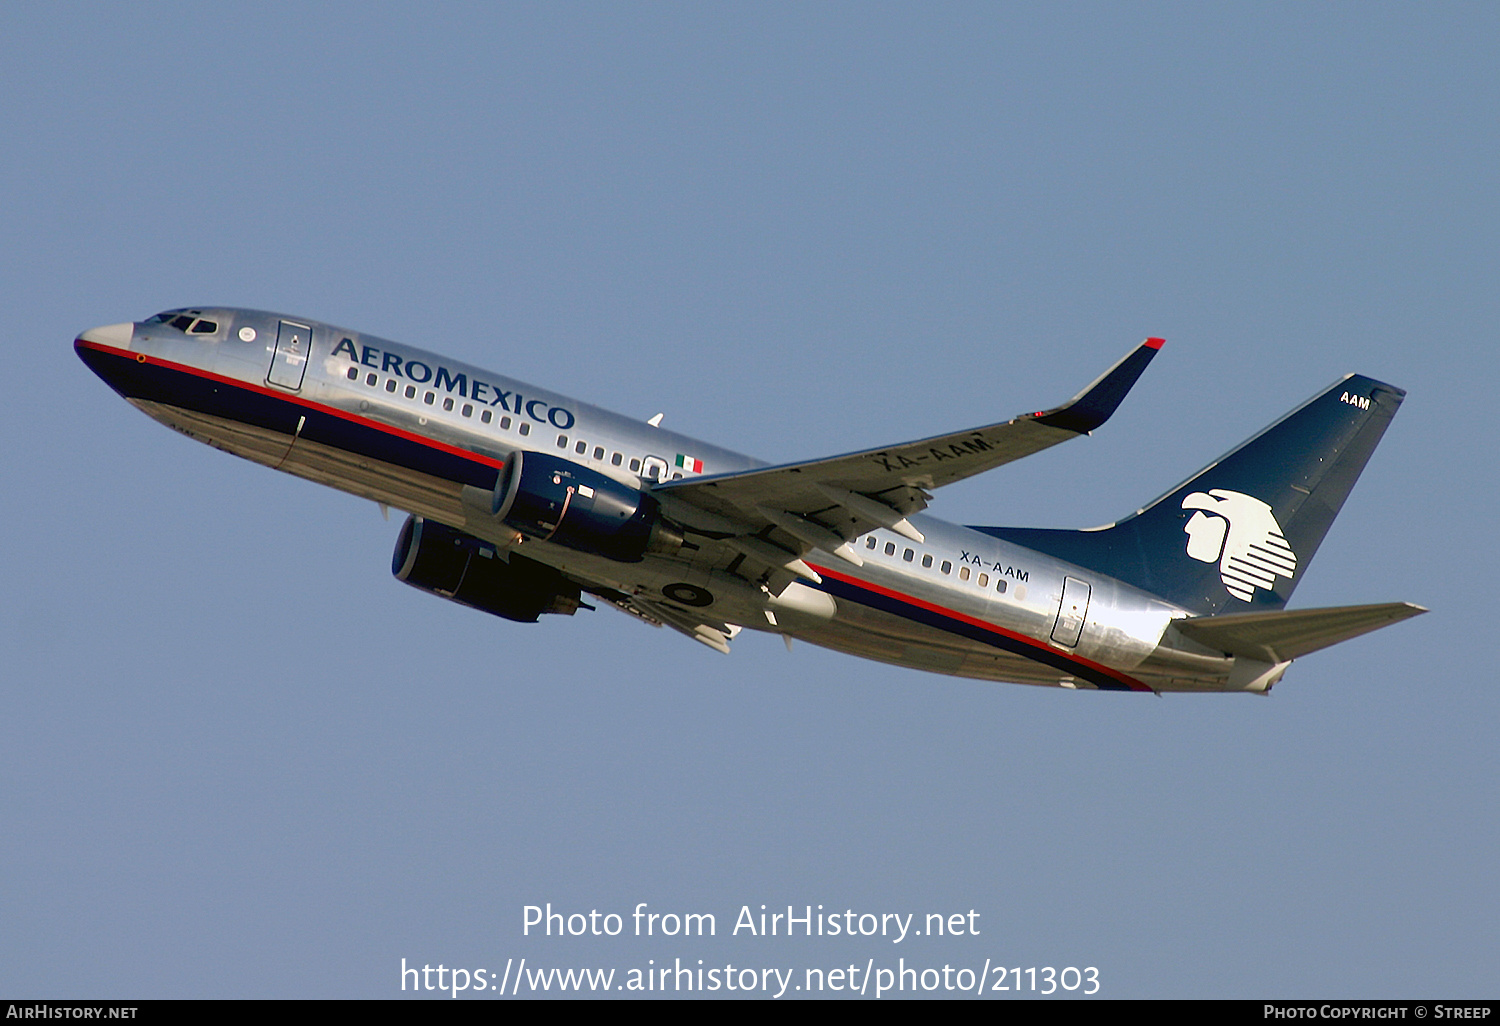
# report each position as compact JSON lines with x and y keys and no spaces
{"x":295,"y":400}
{"x":986,"y":625}
{"x":856,"y":582}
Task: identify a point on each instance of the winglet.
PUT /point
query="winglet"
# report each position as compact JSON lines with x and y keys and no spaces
{"x":1094,"y":405}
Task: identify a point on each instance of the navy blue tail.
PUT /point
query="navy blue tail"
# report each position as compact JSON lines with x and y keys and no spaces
{"x":1238,"y":535}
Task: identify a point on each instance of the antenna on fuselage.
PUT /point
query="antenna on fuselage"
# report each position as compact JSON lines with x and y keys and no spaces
{"x":656,"y":420}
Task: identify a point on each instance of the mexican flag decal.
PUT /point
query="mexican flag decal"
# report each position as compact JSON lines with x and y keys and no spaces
{"x":691,"y":464}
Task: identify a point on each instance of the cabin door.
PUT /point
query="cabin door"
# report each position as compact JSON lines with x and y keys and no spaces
{"x":1071,"y":612}
{"x":293,"y":345}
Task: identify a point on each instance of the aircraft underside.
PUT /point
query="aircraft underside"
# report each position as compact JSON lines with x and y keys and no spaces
{"x":856,"y":628}
{"x":884,"y":637}
{"x":396,"y":486}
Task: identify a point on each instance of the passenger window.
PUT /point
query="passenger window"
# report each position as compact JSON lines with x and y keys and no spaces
{"x":467,"y":411}
{"x":562,"y":441}
{"x":525,"y":427}
{"x":448,"y":403}
{"x":504,"y":423}
{"x":616,"y":460}
{"x":598,"y":452}
{"x":984,"y":580}
{"x":581,"y":448}
{"x":411,"y":392}
{"x":676,"y":477}
{"x":926,"y":562}
{"x":890,"y":548}
{"x":1000,"y":586}
{"x":947,"y":567}
{"x":907,"y":555}
{"x":487,"y":416}
{"x":370,"y":379}
{"x":429,"y":397}
{"x":635,"y":466}
{"x":390,"y":385}
{"x":353,"y":374}
{"x":963,"y":573}
{"x":870,"y":542}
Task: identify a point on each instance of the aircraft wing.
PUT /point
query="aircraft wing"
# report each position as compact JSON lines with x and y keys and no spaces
{"x":825,"y":503}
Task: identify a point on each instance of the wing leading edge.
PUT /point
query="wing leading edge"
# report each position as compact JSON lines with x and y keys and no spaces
{"x":824,"y":503}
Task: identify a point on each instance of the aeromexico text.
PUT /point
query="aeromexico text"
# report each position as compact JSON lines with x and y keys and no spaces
{"x":440,"y":377}
{"x":807,"y":921}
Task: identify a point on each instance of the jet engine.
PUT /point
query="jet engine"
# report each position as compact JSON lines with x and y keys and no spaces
{"x":465,"y":569}
{"x":557,"y":500}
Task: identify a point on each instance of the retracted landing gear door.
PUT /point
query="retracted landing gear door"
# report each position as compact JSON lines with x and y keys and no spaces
{"x":1071,"y":612}
{"x":293,"y":345}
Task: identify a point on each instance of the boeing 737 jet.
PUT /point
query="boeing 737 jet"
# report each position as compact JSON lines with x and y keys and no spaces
{"x":523,"y":501}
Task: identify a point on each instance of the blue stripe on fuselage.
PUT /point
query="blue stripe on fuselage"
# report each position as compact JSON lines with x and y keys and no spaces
{"x":151,"y":379}
{"x":189,"y":388}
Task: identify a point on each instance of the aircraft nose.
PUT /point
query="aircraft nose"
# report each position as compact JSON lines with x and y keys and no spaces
{"x":116,"y":336}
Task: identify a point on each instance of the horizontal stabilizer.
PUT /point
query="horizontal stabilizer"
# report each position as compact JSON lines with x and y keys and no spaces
{"x":1284,"y":634}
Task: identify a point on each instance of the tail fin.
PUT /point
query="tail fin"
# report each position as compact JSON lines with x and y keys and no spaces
{"x":1238,"y":536}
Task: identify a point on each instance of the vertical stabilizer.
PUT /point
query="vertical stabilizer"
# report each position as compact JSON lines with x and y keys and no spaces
{"x":1238,"y":535}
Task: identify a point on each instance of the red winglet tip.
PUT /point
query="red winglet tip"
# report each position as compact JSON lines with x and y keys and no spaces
{"x":1155,"y":343}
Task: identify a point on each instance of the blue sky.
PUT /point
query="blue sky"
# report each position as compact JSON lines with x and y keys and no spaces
{"x":237,"y":759}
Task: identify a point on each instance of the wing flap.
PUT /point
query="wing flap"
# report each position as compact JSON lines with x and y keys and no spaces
{"x":713,"y":633}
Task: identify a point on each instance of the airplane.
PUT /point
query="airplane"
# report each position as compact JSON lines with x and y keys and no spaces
{"x":521,"y":501}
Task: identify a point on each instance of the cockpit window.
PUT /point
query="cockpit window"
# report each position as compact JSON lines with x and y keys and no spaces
{"x":185,"y":320}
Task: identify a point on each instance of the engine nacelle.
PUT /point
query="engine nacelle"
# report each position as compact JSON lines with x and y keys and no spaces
{"x":465,"y":569}
{"x":557,"y":500}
